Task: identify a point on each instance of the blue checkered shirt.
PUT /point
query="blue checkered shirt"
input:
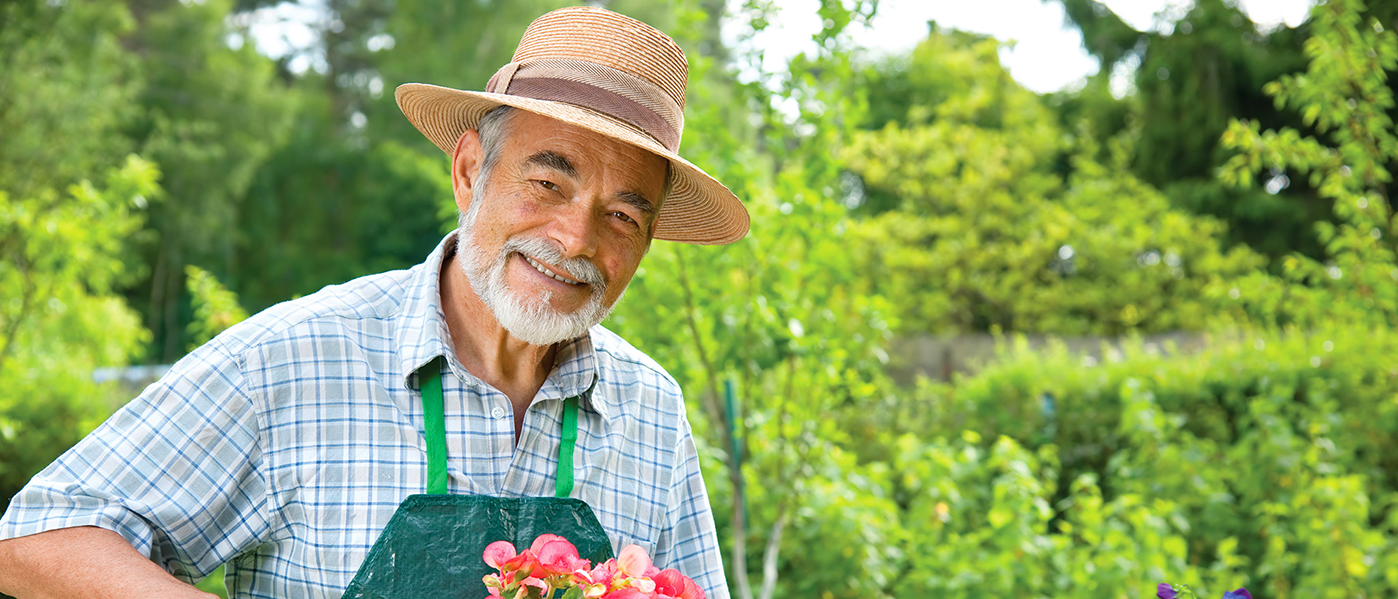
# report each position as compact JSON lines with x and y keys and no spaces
{"x":283,"y":446}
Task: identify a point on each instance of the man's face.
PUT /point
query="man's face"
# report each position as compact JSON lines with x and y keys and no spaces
{"x":554,"y":232}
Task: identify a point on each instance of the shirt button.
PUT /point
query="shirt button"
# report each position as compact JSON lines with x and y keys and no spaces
{"x":498,"y":412}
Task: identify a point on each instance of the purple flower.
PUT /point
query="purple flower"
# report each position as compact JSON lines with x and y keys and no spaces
{"x":1165,"y":592}
{"x":1238,"y":594}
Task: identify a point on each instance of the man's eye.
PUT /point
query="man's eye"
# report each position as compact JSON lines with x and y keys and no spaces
{"x":624,"y":217}
{"x":549,"y":185}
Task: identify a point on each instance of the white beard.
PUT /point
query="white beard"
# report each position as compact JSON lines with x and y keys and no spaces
{"x":531,"y":319}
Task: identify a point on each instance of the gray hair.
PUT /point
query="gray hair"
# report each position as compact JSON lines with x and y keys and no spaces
{"x":493,"y":127}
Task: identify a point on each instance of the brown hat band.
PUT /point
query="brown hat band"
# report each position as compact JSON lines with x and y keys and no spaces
{"x":612,"y":92}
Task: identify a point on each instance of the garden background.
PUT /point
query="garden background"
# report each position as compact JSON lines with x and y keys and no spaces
{"x":159,"y":179}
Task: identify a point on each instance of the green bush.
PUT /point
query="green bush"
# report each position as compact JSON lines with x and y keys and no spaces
{"x":1265,"y":461}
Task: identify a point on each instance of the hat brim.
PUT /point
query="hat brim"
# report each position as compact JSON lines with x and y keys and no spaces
{"x":699,"y":209}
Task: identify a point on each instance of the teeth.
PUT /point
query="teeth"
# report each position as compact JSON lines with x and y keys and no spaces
{"x":547,"y":272}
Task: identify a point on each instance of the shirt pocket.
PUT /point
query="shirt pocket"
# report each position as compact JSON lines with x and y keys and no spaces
{"x":620,"y":542}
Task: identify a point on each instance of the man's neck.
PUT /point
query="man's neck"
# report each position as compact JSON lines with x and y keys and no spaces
{"x":486,"y":349}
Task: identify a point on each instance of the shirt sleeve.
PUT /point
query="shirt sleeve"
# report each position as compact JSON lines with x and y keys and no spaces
{"x":177,"y":472}
{"x":689,"y":542}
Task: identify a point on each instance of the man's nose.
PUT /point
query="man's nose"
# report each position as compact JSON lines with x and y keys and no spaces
{"x":575,"y":228}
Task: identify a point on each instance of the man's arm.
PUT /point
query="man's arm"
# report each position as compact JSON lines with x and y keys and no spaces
{"x":170,"y":483}
{"x":82,"y":562}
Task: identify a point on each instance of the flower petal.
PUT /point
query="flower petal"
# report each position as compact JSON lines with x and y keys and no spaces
{"x":559,"y":557}
{"x":645,"y":585}
{"x":498,"y":553}
{"x":691,"y":590}
{"x":633,"y":561}
{"x":522,"y":565}
{"x":669,"y":581}
{"x":1165,"y":591}
{"x":543,"y":539}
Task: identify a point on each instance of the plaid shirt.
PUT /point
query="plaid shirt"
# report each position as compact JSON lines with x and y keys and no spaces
{"x":284,"y":445}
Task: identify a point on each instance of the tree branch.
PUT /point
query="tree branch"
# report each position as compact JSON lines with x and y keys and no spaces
{"x":12,"y":327}
{"x":769,"y":555}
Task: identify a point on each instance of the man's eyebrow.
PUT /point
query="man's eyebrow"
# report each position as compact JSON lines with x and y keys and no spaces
{"x":554,"y":161}
{"x":638,"y":201}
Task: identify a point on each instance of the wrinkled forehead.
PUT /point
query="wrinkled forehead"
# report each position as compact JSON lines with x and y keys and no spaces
{"x":591,"y":158}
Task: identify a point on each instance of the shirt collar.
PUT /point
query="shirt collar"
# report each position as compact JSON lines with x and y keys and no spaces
{"x":422,"y":336}
{"x":575,"y":373}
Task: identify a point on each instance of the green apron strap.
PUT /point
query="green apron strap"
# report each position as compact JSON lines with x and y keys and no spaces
{"x":435,"y":432}
{"x":435,"y":428}
{"x":565,"y":447}
{"x":569,"y":440}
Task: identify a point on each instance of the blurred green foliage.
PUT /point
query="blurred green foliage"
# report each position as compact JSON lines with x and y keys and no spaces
{"x":1190,"y":78}
{"x":71,"y":199}
{"x":1265,"y":461}
{"x":1345,"y":96}
{"x":923,"y":193}
{"x":777,"y":315}
{"x":215,"y":307}
{"x":210,"y":116}
{"x":976,"y":230}
{"x":60,"y":258}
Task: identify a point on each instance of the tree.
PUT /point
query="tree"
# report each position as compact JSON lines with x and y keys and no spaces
{"x":65,"y":93}
{"x":64,"y":233}
{"x":62,"y":257}
{"x":976,"y":230}
{"x":1190,"y":77}
{"x":324,"y":210}
{"x":211,"y":115}
{"x":1346,"y":96}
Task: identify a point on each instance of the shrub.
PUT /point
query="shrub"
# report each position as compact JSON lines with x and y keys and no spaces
{"x":1264,"y":461}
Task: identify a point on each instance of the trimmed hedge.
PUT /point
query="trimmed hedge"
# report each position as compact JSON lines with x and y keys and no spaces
{"x":1267,"y":461}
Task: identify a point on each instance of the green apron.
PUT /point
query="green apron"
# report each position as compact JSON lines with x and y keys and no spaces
{"x":432,"y":547}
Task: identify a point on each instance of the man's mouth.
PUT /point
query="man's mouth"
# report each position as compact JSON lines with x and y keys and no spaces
{"x":549,"y":273}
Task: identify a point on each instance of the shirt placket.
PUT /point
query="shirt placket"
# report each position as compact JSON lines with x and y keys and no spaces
{"x":533,"y":465}
{"x":481,"y":443}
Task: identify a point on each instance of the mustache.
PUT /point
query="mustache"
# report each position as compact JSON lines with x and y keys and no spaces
{"x":580,"y":269}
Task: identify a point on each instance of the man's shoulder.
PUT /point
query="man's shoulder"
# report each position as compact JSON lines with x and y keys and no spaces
{"x":618,"y":354}
{"x":371,"y":297}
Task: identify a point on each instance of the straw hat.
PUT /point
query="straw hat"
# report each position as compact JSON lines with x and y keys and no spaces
{"x":605,"y":72}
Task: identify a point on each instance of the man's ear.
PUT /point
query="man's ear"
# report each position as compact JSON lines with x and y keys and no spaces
{"x":466,"y":168}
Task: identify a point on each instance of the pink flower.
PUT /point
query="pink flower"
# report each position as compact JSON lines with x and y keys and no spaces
{"x":499,"y":552}
{"x":633,"y":562}
{"x":552,"y":564}
{"x":603,"y":573}
{"x":558,"y":557}
{"x":545,"y":539}
{"x":521,"y":565}
{"x":668,"y":583}
{"x":671,"y":583}
{"x":644,"y":585}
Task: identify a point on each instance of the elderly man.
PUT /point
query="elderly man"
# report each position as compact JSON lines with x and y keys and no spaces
{"x":369,"y":440}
